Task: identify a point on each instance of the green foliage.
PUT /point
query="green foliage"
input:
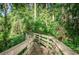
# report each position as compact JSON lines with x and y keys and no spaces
{"x":16,"y":26}
{"x":59,"y":20}
{"x":11,"y":42}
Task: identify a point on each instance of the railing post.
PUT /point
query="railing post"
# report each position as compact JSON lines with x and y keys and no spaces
{"x":34,"y":36}
{"x":39,"y":38}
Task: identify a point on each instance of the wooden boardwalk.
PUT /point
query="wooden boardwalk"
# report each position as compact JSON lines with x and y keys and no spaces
{"x":39,"y":44}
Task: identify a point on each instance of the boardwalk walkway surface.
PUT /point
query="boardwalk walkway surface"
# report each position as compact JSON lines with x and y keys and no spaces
{"x":39,"y":44}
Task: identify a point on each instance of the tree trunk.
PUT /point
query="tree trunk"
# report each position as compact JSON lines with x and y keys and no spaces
{"x":5,"y":25}
{"x":34,"y":11}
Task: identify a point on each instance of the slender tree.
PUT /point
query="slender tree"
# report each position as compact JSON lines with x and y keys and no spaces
{"x":5,"y":25}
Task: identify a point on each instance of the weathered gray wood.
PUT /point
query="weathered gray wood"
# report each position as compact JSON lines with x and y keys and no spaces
{"x":18,"y":48}
{"x":64,"y":49}
{"x":56,"y":49}
{"x":29,"y":49}
{"x":48,"y":41}
{"x":46,"y":44}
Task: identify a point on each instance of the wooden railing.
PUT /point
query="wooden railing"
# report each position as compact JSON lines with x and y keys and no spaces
{"x":22,"y":48}
{"x":51,"y":44}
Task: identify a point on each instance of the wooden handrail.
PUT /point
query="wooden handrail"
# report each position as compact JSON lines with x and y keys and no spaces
{"x":18,"y":48}
{"x":62,"y":47}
